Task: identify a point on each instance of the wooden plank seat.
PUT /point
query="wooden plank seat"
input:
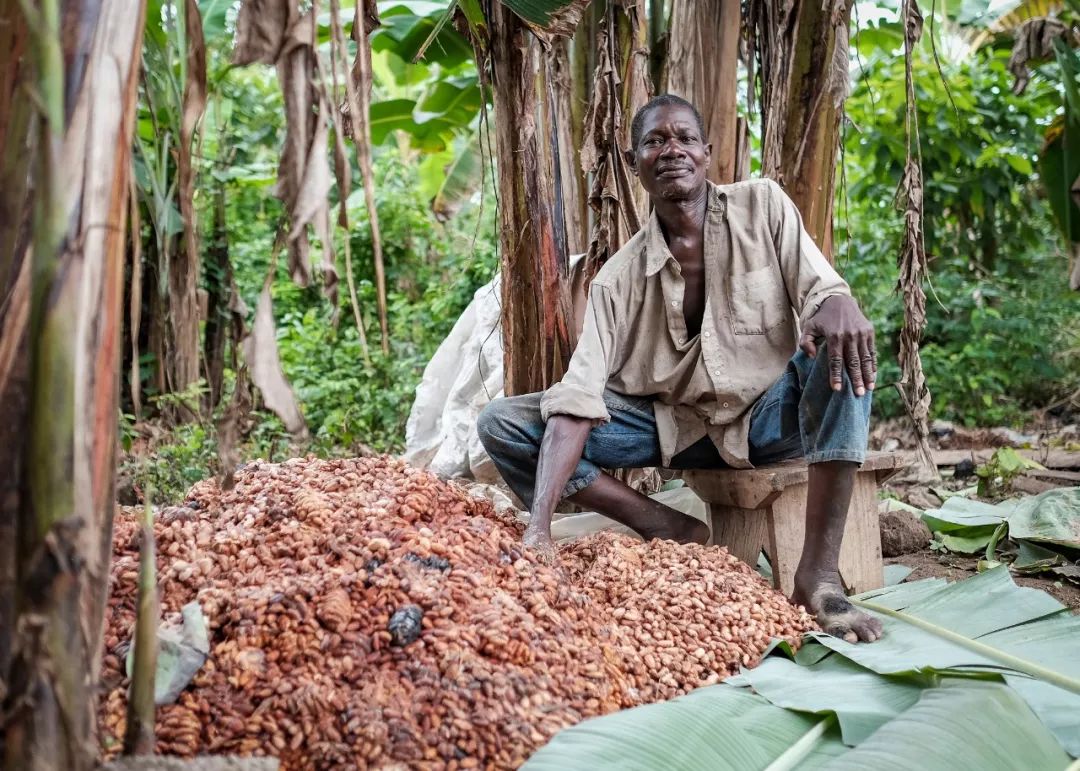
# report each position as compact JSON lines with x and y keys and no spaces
{"x":765,"y":508}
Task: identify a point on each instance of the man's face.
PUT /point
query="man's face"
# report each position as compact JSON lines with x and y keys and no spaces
{"x":671,"y":158}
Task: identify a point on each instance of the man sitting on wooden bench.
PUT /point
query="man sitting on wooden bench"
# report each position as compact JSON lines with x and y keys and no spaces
{"x":685,"y":361}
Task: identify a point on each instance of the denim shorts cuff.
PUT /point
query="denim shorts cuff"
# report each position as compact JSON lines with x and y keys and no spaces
{"x":580,"y":483}
{"x":852,"y":456}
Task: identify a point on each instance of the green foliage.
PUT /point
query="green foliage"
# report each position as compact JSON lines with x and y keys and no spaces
{"x":1059,"y":163}
{"x":171,"y":467}
{"x":997,"y":474}
{"x":434,"y":262}
{"x":999,"y":309}
{"x":432,"y":271}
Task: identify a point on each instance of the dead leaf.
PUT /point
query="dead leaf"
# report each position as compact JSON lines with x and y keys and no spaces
{"x":1034,"y":42}
{"x":912,"y":264}
{"x":563,"y":21}
{"x":261,"y":29}
{"x":303,"y":177}
{"x":371,"y":21}
{"x":612,"y":196}
{"x":261,"y":355}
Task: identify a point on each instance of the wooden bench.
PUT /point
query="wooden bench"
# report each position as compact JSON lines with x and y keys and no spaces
{"x":765,"y":507}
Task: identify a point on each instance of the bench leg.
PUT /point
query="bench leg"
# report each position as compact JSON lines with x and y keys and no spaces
{"x":861,"y":568}
{"x":860,"y":556}
{"x":742,"y":531}
{"x":787,"y":525}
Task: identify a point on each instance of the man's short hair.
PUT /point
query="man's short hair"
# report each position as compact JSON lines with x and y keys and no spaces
{"x":662,"y":100}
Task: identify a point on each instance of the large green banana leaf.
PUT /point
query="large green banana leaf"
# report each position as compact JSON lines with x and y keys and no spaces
{"x":961,"y":725}
{"x":1006,"y":623}
{"x":717,"y":728}
{"x":980,"y":674}
{"x":1051,"y":518}
{"x":862,"y":700}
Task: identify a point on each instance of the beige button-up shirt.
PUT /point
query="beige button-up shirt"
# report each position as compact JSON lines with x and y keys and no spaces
{"x":764,"y":277}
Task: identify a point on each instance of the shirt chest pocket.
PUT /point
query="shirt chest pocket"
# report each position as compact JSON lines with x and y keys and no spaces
{"x":758,"y":301}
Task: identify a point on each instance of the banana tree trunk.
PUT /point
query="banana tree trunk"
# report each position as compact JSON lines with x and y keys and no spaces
{"x":632,"y":46}
{"x":702,"y":67}
{"x":803,"y":50}
{"x":59,"y":391}
{"x":573,"y":181}
{"x":532,"y":230}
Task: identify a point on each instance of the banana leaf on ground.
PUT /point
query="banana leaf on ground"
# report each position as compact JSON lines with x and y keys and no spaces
{"x":979,"y":674}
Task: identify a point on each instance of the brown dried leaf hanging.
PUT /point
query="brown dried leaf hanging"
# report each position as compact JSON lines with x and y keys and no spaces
{"x":303,"y":175}
{"x":548,"y":23}
{"x":612,"y":196}
{"x":261,"y":355}
{"x":261,"y":29}
{"x":912,"y":261}
{"x":1034,"y":42}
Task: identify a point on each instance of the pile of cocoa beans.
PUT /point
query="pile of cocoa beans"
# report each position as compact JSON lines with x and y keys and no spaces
{"x":364,"y":614}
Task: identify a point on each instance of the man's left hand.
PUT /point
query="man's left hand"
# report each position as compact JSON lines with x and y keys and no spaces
{"x":850,"y":339}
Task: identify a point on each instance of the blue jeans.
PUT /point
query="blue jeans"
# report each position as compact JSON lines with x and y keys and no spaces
{"x":799,"y":416}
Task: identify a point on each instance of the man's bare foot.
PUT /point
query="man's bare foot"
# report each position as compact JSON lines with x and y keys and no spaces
{"x":541,"y":544}
{"x":825,"y":599}
{"x":685,"y":529}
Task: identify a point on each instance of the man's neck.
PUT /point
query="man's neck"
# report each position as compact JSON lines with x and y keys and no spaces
{"x":684,"y":218}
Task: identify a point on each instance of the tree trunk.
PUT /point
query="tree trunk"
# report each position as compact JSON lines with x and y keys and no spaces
{"x":15,"y":134}
{"x":573,"y":181}
{"x":632,"y":50}
{"x":803,"y":49}
{"x":702,"y":67}
{"x":183,"y":365}
{"x":657,"y":43}
{"x":532,"y":237}
{"x":218,"y":317}
{"x":583,"y":61}
{"x":60,"y":394}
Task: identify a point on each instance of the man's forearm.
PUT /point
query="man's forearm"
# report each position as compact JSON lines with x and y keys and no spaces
{"x":564,"y":440}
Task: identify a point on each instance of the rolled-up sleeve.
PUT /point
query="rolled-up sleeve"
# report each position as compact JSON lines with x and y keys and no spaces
{"x":808,"y":276}
{"x":580,"y":393}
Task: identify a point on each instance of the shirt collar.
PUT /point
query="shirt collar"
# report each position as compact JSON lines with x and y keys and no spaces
{"x":657,"y":253}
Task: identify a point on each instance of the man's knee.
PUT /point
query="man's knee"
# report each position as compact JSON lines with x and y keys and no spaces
{"x":509,"y":419}
{"x":489,"y":423}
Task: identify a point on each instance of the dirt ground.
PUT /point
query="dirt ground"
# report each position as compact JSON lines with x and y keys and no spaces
{"x":956,"y":567}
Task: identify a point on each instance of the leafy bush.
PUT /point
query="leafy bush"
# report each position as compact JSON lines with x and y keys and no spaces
{"x":998,"y":307}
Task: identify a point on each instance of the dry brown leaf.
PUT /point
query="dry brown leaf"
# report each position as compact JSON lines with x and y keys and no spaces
{"x":612,"y":197}
{"x":1034,"y":42}
{"x":303,"y":178}
{"x":311,"y":203}
{"x":911,"y":261}
{"x":261,"y":355}
{"x":371,"y":21}
{"x":561,"y":22}
{"x":261,"y":28}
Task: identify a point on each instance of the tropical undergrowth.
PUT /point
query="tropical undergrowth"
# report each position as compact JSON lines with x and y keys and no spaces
{"x":1003,"y":328}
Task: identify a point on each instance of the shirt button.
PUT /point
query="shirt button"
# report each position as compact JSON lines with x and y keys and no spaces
{"x":725,"y":405}
{"x":706,"y":334}
{"x":674,"y":303}
{"x":716,"y":372}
